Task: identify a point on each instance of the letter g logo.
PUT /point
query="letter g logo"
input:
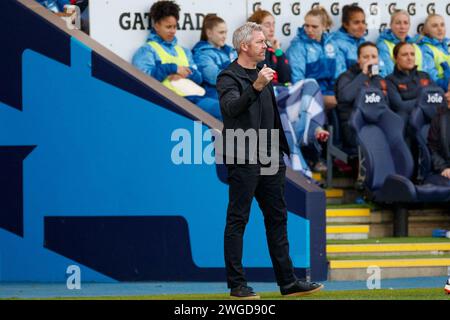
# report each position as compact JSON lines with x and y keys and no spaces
{"x":256,"y":6}
{"x":286,"y":29}
{"x":335,"y":9}
{"x":412,"y":9}
{"x":276,"y":9}
{"x":296,"y":8}
{"x":392,"y":7}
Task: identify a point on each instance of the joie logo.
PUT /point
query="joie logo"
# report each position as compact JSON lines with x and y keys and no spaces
{"x":434,"y":98}
{"x":372,"y":98}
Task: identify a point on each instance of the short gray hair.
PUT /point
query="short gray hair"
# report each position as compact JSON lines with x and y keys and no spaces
{"x":244,"y":34}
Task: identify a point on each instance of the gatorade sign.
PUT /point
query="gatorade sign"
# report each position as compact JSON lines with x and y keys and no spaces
{"x":123,"y":26}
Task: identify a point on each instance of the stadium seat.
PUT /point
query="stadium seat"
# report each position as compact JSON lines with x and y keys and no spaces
{"x":430,"y":100}
{"x":388,"y":161}
{"x":335,"y":148}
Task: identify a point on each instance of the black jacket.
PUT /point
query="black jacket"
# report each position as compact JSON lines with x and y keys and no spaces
{"x":403,"y":89}
{"x":439,"y":141}
{"x":348,"y":87}
{"x":241,"y":104}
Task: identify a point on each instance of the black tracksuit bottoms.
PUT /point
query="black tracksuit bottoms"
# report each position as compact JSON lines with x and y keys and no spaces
{"x":246,"y":182}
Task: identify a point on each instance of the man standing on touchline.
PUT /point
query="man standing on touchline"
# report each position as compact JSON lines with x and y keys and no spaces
{"x":247,"y":102}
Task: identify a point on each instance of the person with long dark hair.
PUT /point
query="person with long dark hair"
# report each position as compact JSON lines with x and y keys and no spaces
{"x":351,"y":34}
{"x":405,"y":82}
{"x":211,"y":53}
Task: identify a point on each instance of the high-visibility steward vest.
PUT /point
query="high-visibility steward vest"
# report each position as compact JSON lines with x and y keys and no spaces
{"x":439,"y":57}
{"x":180,"y":60}
{"x":417,"y":50}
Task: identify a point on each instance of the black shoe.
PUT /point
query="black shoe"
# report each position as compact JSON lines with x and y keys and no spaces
{"x":243,"y":292}
{"x":301,"y":288}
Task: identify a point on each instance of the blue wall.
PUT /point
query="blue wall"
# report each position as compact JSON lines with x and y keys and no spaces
{"x":92,"y":182}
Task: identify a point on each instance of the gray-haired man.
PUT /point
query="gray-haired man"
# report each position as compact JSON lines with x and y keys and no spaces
{"x":247,"y":102}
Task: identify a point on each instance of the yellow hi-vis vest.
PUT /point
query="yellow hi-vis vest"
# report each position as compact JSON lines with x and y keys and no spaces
{"x":180,"y":60}
{"x":417,"y":50}
{"x":439,"y":57}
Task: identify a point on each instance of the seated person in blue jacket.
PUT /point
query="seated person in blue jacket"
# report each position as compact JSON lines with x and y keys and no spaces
{"x":300,"y":104}
{"x":351,"y":35}
{"x":55,"y":5}
{"x":163,"y":59}
{"x":211,"y":54}
{"x":314,"y":54}
{"x":434,"y":45}
{"x":398,"y":32}
{"x":360,"y":75}
{"x":405,"y":82}
{"x":439,"y":144}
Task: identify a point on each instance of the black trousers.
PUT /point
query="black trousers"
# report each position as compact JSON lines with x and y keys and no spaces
{"x":245,"y":182}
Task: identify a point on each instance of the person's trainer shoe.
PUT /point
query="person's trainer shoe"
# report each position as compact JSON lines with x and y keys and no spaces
{"x":243,"y":292}
{"x":301,"y":288}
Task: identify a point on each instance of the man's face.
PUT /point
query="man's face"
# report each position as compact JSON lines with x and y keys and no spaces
{"x":256,"y":48}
